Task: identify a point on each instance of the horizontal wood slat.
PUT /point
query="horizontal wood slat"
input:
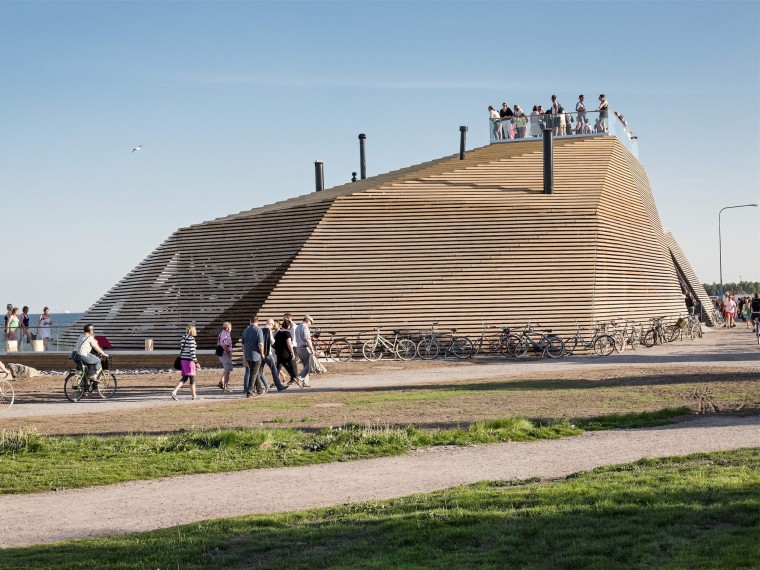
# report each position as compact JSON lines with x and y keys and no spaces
{"x":456,"y":241}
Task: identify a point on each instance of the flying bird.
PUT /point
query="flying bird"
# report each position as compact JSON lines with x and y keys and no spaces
{"x":138,"y":147}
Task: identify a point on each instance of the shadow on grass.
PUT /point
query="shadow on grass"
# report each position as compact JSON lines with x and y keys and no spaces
{"x":702,"y":511}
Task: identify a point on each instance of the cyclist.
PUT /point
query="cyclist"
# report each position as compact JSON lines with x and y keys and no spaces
{"x":86,"y":344}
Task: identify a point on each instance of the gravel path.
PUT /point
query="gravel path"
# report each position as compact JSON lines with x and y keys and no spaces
{"x":147,"y":505}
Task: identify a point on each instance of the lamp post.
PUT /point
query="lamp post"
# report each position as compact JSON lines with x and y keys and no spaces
{"x":720,"y":246}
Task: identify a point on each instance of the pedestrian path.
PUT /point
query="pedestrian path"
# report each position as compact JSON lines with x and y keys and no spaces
{"x":147,"y":505}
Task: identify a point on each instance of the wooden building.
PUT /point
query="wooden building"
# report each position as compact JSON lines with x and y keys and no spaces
{"x":461,"y":242}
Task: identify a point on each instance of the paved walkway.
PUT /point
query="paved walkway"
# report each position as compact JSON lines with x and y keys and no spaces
{"x":147,"y":505}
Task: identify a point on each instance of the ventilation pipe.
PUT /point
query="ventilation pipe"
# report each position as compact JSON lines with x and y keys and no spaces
{"x":548,"y":161}
{"x":462,"y":141}
{"x":319,"y":175}
{"x":362,"y":157}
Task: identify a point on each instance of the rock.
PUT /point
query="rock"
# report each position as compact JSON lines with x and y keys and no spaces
{"x":21,"y":371}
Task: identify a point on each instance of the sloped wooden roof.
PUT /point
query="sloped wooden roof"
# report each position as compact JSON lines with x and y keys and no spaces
{"x":455,"y":241}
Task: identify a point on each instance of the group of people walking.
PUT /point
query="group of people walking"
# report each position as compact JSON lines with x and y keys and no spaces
{"x":513,"y":123}
{"x":17,"y":326}
{"x":278,"y":346}
{"x":745,"y":309}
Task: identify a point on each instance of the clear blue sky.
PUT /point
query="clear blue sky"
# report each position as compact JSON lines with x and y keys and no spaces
{"x":234,"y":101}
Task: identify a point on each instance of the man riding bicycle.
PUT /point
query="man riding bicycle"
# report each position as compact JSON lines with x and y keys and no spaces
{"x":86,"y":344}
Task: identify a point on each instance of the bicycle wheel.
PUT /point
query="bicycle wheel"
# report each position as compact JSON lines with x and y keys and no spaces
{"x":372,"y":350}
{"x":672,"y":332}
{"x":508,"y":345}
{"x":427,"y":349}
{"x":519,"y":347}
{"x":650,"y":338}
{"x":341,"y":350}
{"x":461,"y":347}
{"x":604,"y":345}
{"x":553,"y":347}
{"x":405,"y":349}
{"x":107,"y":385}
{"x":74,"y":386}
{"x":6,"y":395}
{"x":573,"y":344}
{"x":619,"y":341}
{"x":633,"y":340}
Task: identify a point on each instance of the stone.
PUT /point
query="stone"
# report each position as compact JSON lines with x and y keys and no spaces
{"x":20,"y":371}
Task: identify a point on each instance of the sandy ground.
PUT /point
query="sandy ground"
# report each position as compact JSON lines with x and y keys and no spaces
{"x":147,"y":505}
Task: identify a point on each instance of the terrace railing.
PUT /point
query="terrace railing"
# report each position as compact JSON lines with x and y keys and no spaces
{"x":588,"y":124}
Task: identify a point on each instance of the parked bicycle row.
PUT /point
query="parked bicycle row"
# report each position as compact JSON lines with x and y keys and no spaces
{"x":532,"y":339}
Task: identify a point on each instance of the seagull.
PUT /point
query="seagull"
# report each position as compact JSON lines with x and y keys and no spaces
{"x":138,"y":147}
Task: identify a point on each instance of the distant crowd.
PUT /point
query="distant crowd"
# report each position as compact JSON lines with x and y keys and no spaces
{"x":511,"y":122}
{"x":743,"y":309}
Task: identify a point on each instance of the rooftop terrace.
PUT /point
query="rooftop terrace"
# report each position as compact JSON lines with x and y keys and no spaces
{"x":565,"y":126}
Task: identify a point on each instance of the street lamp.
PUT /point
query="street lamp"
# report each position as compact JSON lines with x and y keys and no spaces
{"x":720,"y":246}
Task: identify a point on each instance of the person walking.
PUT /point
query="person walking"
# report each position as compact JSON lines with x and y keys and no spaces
{"x":12,"y":324}
{"x":755,"y":309}
{"x":730,"y":311}
{"x":269,"y":358}
{"x":224,"y":340}
{"x":304,"y":349}
{"x":43,"y":327}
{"x":253,"y":348}
{"x":285,"y":351}
{"x":26,"y":334}
{"x":189,"y":360}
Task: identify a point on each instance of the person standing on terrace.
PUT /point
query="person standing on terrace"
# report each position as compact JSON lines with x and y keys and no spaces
{"x":580,"y":107}
{"x":506,"y":114}
{"x":535,"y":122}
{"x":493,"y":115}
{"x":603,"y":111}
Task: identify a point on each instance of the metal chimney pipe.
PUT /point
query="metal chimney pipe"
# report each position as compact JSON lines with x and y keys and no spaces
{"x":548,"y":161}
{"x":462,"y":140}
{"x":319,"y":175}
{"x":362,"y":157}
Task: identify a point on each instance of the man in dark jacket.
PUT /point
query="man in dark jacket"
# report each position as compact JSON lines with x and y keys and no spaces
{"x":269,"y":358}
{"x":253,"y":348}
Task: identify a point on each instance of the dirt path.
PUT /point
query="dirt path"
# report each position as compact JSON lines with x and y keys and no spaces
{"x":147,"y":505}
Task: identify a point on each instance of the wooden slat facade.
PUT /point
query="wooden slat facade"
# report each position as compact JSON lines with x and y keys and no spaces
{"x":690,"y":276}
{"x":456,"y":241}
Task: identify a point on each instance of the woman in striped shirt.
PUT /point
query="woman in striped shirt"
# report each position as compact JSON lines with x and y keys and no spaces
{"x":189,"y":359}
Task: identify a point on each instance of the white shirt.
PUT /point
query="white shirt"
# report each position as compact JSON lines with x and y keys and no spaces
{"x":85,"y":344}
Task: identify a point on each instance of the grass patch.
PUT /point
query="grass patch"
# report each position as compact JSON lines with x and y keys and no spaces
{"x":701,"y":511}
{"x":30,"y":462}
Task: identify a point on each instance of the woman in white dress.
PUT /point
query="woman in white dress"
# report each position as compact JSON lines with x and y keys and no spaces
{"x":535,"y":126}
{"x":43,"y":327}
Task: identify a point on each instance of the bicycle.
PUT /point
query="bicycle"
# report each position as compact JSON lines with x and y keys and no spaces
{"x":6,"y":394}
{"x":77,"y":384}
{"x":459,"y":346}
{"x":547,"y":344}
{"x":617,"y":334}
{"x":402,"y":348}
{"x":602,"y":343}
{"x":657,"y":334}
{"x":338,"y":349}
{"x":506,"y":342}
{"x":693,"y":327}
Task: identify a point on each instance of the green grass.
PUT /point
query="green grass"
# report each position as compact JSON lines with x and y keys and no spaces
{"x":30,"y":462}
{"x":701,"y":511}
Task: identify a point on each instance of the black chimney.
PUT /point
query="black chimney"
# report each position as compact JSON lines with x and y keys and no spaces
{"x":548,"y":161}
{"x":462,"y":141}
{"x":319,"y":175}
{"x":362,"y":157}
